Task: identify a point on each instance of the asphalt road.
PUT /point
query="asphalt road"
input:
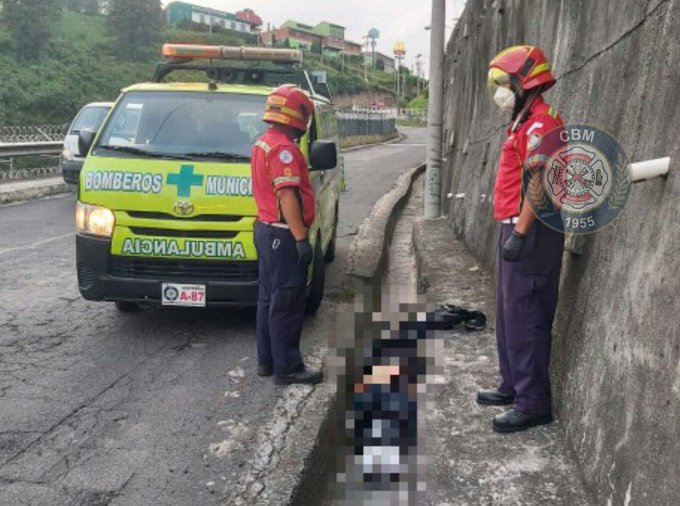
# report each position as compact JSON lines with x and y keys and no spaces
{"x":154,"y":407}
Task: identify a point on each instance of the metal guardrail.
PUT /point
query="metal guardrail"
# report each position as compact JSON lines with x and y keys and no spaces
{"x":413,"y":113}
{"x":30,"y":148}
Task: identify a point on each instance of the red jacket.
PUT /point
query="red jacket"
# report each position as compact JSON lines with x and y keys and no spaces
{"x":508,"y":188}
{"x":277,"y":162}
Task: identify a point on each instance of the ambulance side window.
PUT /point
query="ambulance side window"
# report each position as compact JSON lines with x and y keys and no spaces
{"x":125,"y":126}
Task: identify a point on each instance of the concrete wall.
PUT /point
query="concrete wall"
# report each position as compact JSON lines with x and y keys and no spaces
{"x":617,"y":346}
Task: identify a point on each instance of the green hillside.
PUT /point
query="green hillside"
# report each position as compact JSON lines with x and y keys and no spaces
{"x":81,"y":66}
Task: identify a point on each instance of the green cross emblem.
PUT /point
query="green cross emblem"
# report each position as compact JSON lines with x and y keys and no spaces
{"x":185,"y":180}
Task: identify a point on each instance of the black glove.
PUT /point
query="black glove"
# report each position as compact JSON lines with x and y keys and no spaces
{"x":304,"y":251}
{"x":512,"y":249}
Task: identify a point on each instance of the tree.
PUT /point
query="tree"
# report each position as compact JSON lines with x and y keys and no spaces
{"x":135,"y":24}
{"x":90,"y":7}
{"x":74,"y":5}
{"x":31,"y":23}
{"x":380,"y":64}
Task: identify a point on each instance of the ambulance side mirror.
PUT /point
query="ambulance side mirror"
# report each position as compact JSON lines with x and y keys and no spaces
{"x":323,"y":155}
{"x":85,"y":140}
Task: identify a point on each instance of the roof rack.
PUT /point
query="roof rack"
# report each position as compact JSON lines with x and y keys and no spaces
{"x":268,"y":66}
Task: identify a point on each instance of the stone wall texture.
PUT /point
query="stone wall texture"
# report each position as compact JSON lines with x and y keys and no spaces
{"x":616,"y":351}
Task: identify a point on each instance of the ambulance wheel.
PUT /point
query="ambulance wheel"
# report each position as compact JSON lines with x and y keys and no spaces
{"x":315,"y":289}
{"x":126,"y":307}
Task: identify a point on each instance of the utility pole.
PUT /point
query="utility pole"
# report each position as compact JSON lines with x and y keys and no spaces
{"x":365,"y":37}
{"x":434,"y":114}
{"x":419,"y":68}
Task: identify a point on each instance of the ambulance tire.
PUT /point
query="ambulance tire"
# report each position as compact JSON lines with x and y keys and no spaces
{"x":315,"y":288}
{"x":126,"y":307}
{"x":330,"y":251}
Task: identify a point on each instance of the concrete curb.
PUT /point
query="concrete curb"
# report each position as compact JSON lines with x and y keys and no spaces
{"x":284,"y":466}
{"x":368,"y":250}
{"x":21,"y":191}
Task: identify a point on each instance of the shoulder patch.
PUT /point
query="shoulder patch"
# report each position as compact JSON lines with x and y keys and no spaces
{"x":285,"y":156}
{"x":534,"y":126}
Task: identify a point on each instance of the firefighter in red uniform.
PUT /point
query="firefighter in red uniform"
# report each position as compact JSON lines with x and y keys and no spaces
{"x":529,"y":252}
{"x":285,"y":203}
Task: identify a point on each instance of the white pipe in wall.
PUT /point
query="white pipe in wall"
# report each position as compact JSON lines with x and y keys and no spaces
{"x":640,"y":171}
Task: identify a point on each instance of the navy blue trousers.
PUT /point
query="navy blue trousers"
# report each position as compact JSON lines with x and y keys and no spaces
{"x":281,"y":300}
{"x":526,"y":297}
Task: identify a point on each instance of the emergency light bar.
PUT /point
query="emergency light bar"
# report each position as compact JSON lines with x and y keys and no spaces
{"x":194,"y":51}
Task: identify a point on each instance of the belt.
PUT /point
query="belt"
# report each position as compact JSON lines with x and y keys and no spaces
{"x":275,"y":224}
{"x":511,"y":221}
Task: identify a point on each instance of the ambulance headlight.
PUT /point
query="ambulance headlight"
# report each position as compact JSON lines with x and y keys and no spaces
{"x":67,"y":155}
{"x":94,"y":220}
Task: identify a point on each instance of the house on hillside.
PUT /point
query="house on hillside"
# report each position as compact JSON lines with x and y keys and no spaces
{"x":249,"y":16}
{"x":245,"y":21}
{"x":387,"y":63}
{"x":293,"y":34}
{"x":328,"y":36}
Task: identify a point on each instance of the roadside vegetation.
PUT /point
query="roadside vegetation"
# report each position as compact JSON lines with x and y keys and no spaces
{"x":50,"y":69}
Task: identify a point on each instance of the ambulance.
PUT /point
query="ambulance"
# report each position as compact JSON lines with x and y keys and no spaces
{"x":165,"y":209}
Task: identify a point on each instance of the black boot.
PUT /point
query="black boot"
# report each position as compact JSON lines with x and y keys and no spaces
{"x":515,"y":421}
{"x":264,"y":370}
{"x":494,"y":398}
{"x":307,"y":376}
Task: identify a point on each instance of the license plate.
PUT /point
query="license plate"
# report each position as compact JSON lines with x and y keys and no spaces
{"x":173,"y":294}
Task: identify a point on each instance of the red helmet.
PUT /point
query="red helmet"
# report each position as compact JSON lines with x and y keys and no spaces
{"x":524,"y":67}
{"x":289,"y":105}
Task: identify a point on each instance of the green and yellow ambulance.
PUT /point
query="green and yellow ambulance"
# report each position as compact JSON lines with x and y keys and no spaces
{"x":165,"y":211}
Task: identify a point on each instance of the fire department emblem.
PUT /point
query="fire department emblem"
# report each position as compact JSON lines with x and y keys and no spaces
{"x":578,"y":180}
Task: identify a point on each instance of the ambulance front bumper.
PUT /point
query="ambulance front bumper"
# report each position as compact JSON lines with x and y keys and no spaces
{"x":106,"y":277}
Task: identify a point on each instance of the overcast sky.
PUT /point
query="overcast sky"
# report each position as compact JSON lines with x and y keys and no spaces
{"x":403,"y":20}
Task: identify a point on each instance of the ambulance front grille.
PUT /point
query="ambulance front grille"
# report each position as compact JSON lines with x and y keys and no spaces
{"x":183,"y":270}
{"x":167,"y":232}
{"x":152,"y":215}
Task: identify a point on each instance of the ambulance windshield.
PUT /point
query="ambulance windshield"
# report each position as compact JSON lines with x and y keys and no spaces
{"x":184,"y":124}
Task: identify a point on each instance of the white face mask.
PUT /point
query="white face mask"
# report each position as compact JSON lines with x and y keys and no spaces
{"x":505,"y":98}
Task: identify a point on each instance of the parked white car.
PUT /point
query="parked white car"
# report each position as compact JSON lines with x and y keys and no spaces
{"x":90,"y":117}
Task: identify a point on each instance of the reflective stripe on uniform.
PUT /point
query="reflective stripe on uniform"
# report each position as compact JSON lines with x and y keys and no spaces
{"x":286,"y":179}
{"x":285,"y":110}
{"x":261,"y":144}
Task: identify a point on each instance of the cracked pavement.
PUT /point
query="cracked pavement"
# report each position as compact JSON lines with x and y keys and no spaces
{"x":161,"y":406}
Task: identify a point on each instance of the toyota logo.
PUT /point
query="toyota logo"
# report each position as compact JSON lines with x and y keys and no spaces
{"x":183,"y":208}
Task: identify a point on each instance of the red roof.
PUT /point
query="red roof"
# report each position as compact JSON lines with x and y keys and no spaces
{"x":249,"y":16}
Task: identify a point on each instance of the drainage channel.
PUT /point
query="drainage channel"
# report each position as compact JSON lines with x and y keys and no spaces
{"x":321,"y":488}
